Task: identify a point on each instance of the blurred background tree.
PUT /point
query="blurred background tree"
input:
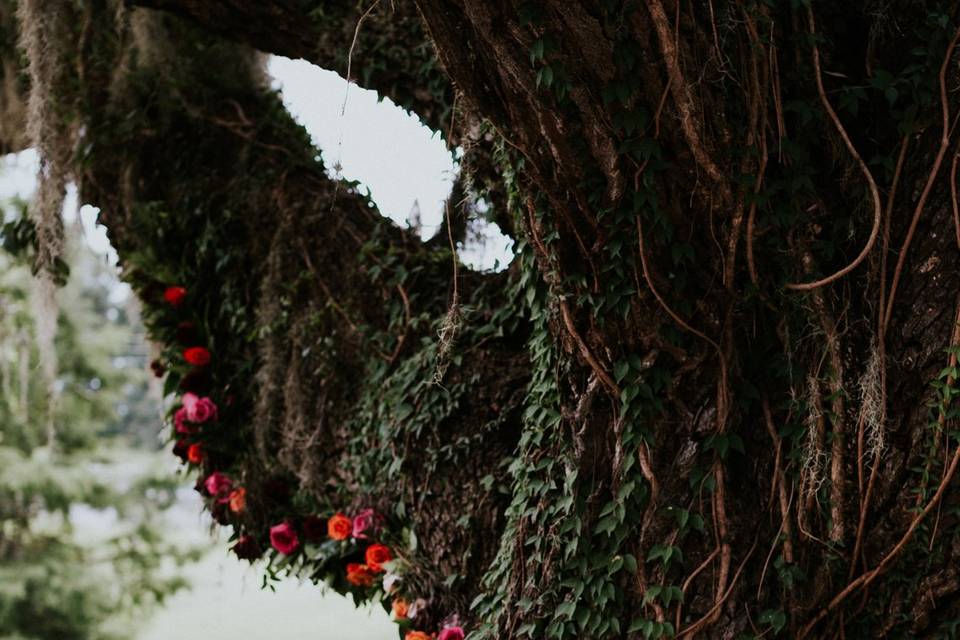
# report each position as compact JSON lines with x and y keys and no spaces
{"x":81,"y":546}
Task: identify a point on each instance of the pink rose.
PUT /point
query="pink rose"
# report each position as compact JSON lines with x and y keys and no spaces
{"x":180,"y":421}
{"x":219,"y":486}
{"x":199,"y":410}
{"x":451,"y":633}
{"x":284,"y":538}
{"x":367,"y":521}
{"x":190,"y":401}
{"x":204,"y":411}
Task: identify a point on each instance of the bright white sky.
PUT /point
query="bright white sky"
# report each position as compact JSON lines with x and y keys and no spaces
{"x":375,"y":142}
{"x":384,"y":147}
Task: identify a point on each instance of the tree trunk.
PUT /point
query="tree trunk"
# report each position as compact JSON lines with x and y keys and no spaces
{"x":712,"y":395}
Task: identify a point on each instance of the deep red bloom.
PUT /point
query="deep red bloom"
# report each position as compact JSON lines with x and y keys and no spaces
{"x":220,"y":513}
{"x":314,"y":528}
{"x":181,"y":449}
{"x":175,"y":296}
{"x":196,"y":381}
{"x":284,"y":538}
{"x":187,"y":333}
{"x":376,"y":556}
{"x":197,"y":356}
{"x":247,"y":548}
{"x":158,"y":369}
{"x":278,"y":491}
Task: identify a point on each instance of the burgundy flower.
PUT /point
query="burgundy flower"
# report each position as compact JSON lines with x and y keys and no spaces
{"x":277,"y":491}
{"x":247,"y":548}
{"x":283,"y":538}
{"x":186,"y":333}
{"x":158,"y":369}
{"x":314,"y":528}
{"x":180,"y":448}
{"x":196,"y":381}
{"x":220,"y":513}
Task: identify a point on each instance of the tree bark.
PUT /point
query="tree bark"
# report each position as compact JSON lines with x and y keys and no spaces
{"x":737,"y":277}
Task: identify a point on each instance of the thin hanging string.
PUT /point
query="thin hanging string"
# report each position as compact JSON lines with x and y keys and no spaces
{"x":452,"y":321}
{"x":453,"y":248}
{"x":338,"y":165}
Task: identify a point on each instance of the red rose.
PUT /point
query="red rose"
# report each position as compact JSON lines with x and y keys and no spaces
{"x":359,"y":575}
{"x":195,"y":453}
{"x":376,"y":556}
{"x":284,"y":538}
{"x":339,"y":527}
{"x":175,"y":296}
{"x":197,"y":356}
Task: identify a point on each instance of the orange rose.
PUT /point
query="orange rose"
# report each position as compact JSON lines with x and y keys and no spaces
{"x":377,"y":555}
{"x":238,"y":500}
{"x":416,"y":635}
{"x":195,"y":454}
{"x":339,"y":527}
{"x":359,"y":575}
{"x":399,"y":606}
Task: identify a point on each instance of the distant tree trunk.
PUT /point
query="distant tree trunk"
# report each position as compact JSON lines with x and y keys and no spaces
{"x":712,"y":397}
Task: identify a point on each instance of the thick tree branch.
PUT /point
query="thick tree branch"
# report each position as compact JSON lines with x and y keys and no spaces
{"x":322,"y":33}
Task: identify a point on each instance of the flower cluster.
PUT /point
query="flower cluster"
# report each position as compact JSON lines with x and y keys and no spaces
{"x":350,"y":551}
{"x":360,"y":528}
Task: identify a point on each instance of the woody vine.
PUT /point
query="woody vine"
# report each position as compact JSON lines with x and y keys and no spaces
{"x":712,"y":397}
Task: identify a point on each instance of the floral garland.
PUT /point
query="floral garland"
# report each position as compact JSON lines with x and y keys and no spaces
{"x":351,"y":544}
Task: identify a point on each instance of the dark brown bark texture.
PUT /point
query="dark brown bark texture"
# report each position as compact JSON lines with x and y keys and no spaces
{"x":718,"y":404}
